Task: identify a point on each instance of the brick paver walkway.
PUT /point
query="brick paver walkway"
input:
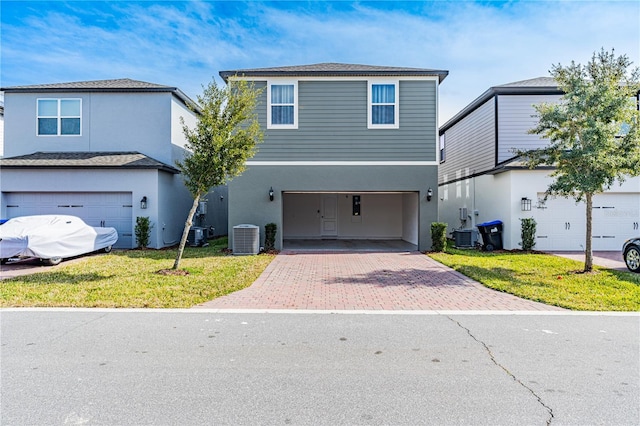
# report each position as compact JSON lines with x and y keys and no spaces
{"x":367,"y":281}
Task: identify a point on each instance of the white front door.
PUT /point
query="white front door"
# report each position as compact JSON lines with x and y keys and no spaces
{"x":329,"y":216}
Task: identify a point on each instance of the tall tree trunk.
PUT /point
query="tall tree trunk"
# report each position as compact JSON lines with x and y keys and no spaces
{"x":588,"y":253}
{"x":185,"y":232}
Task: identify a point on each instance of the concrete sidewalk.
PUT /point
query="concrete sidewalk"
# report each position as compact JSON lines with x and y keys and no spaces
{"x":367,"y":281}
{"x":606,"y":259}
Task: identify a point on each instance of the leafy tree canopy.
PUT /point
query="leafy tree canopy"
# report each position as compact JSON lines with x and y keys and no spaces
{"x":224,"y":138}
{"x":593,"y":132}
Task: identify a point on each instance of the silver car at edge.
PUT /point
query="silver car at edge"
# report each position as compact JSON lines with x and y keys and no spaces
{"x":631,"y":254}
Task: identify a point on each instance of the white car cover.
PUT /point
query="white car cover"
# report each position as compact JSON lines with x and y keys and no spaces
{"x":50,"y":236}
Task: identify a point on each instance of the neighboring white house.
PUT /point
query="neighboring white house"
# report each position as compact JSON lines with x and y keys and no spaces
{"x":1,"y":129}
{"x":101,"y":150}
{"x":481,"y":180}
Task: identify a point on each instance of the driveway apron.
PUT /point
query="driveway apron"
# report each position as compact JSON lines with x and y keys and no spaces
{"x":367,"y":281}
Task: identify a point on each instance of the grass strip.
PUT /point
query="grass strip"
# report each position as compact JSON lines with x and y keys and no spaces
{"x":546,"y":278}
{"x":130,"y":279}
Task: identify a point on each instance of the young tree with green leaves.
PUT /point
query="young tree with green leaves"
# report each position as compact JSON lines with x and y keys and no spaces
{"x":225,"y":136}
{"x":593,"y":133}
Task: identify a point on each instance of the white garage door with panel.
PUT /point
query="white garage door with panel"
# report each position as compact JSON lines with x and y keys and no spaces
{"x":113,"y":209}
{"x":561,"y":223}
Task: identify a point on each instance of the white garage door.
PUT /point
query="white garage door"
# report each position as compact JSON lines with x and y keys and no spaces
{"x":95,"y":208}
{"x":561,"y":225}
{"x":616,"y":218}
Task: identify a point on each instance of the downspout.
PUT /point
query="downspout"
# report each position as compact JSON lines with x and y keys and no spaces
{"x":473,"y":203}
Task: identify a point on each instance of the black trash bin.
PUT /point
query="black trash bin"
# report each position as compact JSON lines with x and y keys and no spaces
{"x":491,"y":233}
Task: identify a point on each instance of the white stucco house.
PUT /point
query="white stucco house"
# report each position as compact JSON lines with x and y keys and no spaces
{"x":1,"y":129}
{"x":101,"y":150}
{"x":480,"y":180}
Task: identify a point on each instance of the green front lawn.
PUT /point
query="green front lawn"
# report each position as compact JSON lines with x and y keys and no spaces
{"x":548,"y":279}
{"x":130,"y":280}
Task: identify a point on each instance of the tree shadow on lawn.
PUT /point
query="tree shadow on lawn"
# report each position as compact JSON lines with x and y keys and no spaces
{"x":171,"y":253}
{"x":413,"y":277}
{"x":625,"y":276}
{"x":46,"y":278}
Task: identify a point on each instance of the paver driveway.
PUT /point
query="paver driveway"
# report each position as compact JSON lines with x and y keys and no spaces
{"x":367,"y":281}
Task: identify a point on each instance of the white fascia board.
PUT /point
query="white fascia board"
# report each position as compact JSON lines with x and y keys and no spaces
{"x":341,"y":163}
{"x":332,"y":78}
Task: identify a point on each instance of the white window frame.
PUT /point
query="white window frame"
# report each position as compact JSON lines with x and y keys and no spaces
{"x":396,"y":104}
{"x":58,"y":117}
{"x":293,"y":83}
{"x":443,"y":148}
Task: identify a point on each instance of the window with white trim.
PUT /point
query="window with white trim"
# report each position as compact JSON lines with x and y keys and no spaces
{"x":443,"y":147}
{"x":383,"y":105}
{"x":59,"y":117}
{"x":282,"y":112}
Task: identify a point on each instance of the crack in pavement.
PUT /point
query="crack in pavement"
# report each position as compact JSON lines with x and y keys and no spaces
{"x":83,"y":324}
{"x":503,"y":368}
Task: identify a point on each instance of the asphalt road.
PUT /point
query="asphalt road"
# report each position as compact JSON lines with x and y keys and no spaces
{"x":120,"y":367}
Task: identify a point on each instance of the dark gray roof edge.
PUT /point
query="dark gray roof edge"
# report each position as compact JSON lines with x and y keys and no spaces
{"x":495,"y":171}
{"x":159,"y":164}
{"x":165,"y":167}
{"x":498,"y":90}
{"x":97,"y":88}
{"x":441,"y":74}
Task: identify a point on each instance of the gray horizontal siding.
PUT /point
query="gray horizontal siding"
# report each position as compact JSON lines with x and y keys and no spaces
{"x":515,"y":118}
{"x":470,"y":144}
{"x":332,"y":125}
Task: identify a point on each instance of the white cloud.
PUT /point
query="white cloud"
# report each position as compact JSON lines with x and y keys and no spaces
{"x":186,"y":43}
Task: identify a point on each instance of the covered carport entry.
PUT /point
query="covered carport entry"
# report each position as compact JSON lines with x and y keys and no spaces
{"x":363,"y":221}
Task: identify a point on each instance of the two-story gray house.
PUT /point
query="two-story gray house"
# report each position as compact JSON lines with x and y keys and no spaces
{"x":101,"y":150}
{"x":481,"y":179}
{"x":350,"y":152}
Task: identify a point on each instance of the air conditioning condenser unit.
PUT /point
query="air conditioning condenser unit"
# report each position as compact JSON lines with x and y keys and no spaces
{"x":246,"y":239}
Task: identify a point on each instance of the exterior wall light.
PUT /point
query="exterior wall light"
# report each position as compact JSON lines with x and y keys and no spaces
{"x":525,"y":204}
{"x":429,"y":194}
{"x":271,"y":194}
{"x":143,"y":202}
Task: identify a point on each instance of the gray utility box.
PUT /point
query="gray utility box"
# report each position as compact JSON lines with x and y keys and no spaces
{"x":197,"y":236}
{"x":465,"y":238}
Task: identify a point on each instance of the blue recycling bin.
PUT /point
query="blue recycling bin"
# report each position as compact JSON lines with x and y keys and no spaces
{"x":491,"y":233}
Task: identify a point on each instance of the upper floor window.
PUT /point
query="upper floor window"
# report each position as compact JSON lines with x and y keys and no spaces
{"x":383,"y":105}
{"x":282,"y":111}
{"x":443,"y":147}
{"x":58,"y":117}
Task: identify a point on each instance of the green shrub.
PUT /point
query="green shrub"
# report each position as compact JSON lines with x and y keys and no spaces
{"x":528,"y":233}
{"x":270,"y":236}
{"x":143,"y":231}
{"x":438,"y":236}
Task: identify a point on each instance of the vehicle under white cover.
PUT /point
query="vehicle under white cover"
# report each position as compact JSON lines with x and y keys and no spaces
{"x":52,"y":238}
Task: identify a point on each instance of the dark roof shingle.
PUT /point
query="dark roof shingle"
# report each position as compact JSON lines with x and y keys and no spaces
{"x":113,"y":86}
{"x":126,"y":160}
{"x":334,"y":70}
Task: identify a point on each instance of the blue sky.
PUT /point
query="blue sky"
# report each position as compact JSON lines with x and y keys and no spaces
{"x":186,"y":44}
